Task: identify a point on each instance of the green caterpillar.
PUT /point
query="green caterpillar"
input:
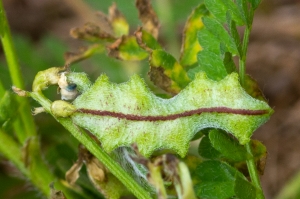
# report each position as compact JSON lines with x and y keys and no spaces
{"x":123,"y":114}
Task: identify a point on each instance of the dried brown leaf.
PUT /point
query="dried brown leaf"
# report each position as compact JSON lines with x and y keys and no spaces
{"x":91,"y":32}
{"x":158,"y":77}
{"x":73,"y":173}
{"x":96,"y":170}
{"x":148,"y":17}
{"x":56,"y":194}
{"x":104,"y":22}
{"x":113,"y":49}
{"x":252,"y":88}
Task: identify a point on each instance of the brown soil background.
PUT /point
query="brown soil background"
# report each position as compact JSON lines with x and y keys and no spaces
{"x":273,"y":60}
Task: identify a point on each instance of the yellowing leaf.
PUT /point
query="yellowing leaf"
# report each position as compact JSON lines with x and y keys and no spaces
{"x":118,"y":21}
{"x":190,"y":45}
{"x":166,"y":72}
{"x":126,"y":48}
{"x":148,"y":17}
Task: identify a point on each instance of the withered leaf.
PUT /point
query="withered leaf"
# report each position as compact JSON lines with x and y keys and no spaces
{"x":126,"y":48}
{"x":190,"y":45}
{"x":56,"y":194}
{"x":91,"y":32}
{"x":166,"y":72}
{"x":73,"y":173}
{"x":252,"y":88}
{"x":101,"y":178}
{"x":148,"y":17}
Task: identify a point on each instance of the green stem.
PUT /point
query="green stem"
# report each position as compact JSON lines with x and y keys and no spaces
{"x":242,"y":61}
{"x":2,"y":89}
{"x":96,"y":150}
{"x":36,"y":171}
{"x":16,"y":76}
{"x":11,"y":150}
{"x":253,"y":173}
{"x":242,"y":72}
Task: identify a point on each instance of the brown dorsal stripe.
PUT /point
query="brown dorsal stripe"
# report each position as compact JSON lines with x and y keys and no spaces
{"x":173,"y":116}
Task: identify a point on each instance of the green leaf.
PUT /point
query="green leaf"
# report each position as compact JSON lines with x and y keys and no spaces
{"x":229,"y":63}
{"x":244,"y":10}
{"x":166,"y":72}
{"x":150,"y":41}
{"x":219,"y":8}
{"x":8,"y":109}
{"x":190,"y":45}
{"x":208,"y":41}
{"x":217,"y":180}
{"x":154,"y":123}
{"x":234,"y":33}
{"x":237,"y":15}
{"x":227,"y":146}
{"x":244,"y":189}
{"x":221,"y":33}
{"x":210,"y":63}
{"x":146,"y":40}
{"x":254,"y":3}
{"x":206,"y":150}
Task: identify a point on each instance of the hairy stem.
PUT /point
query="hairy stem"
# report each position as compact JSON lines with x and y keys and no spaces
{"x":16,"y":76}
{"x":96,"y":150}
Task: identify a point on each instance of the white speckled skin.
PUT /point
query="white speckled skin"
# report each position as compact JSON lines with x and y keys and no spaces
{"x":133,"y":97}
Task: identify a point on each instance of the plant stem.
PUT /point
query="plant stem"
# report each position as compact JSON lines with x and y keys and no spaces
{"x":2,"y":89}
{"x":242,"y":72}
{"x":11,"y":150}
{"x":242,"y":61}
{"x":96,"y":150}
{"x":36,"y":171}
{"x":253,"y":173}
{"x":16,"y":76}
